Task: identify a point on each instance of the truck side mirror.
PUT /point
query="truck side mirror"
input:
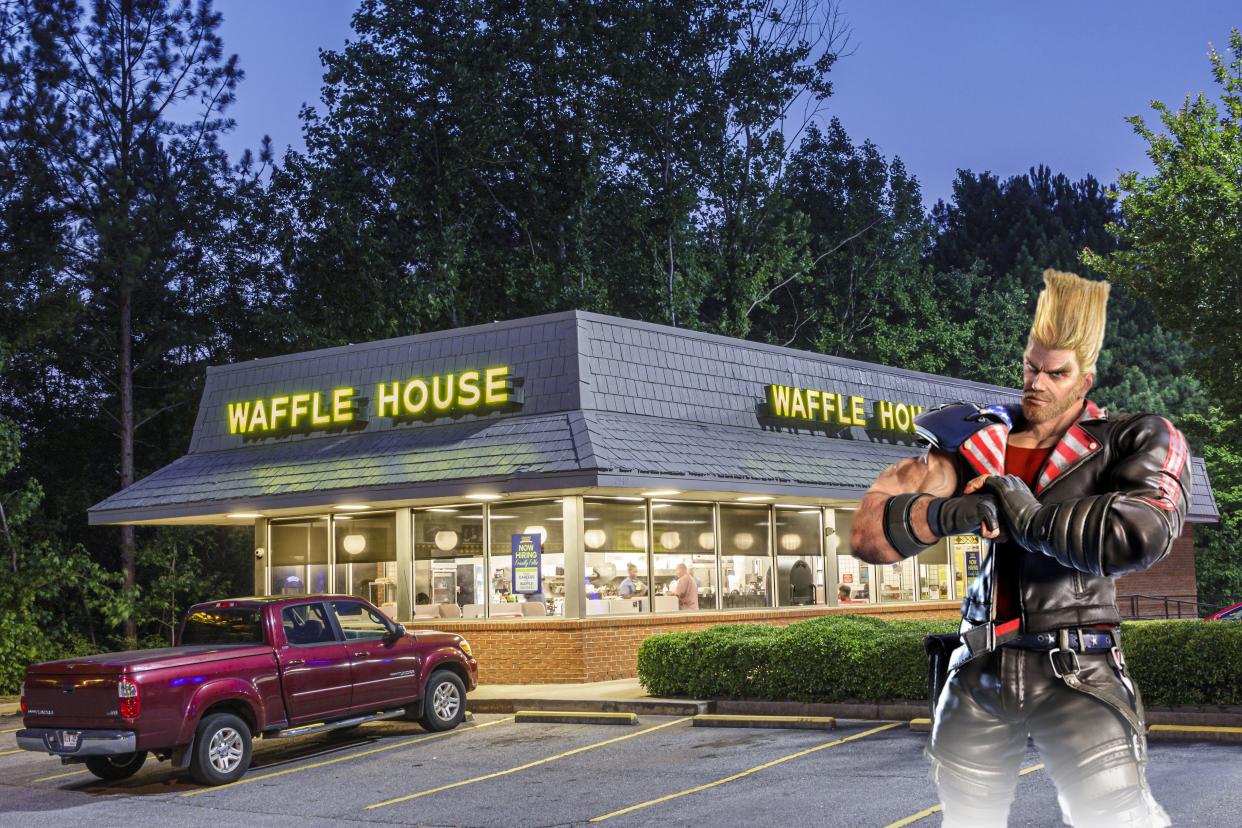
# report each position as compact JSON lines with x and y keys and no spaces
{"x":397,"y":631}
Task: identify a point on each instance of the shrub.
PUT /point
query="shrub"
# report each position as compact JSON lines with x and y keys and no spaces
{"x":857,"y":658}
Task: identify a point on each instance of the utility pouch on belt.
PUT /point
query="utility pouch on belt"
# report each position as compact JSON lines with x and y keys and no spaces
{"x":939,"y":649}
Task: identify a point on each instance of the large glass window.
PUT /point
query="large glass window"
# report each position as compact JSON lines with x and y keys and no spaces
{"x":448,"y":562}
{"x":683,"y":544}
{"x":543,"y":518}
{"x":896,"y":581}
{"x":615,"y":539}
{"x":745,"y":557}
{"x":366,"y":558}
{"x":853,"y":576}
{"x":298,"y":557}
{"x":799,"y":564}
{"x":934,"y":571}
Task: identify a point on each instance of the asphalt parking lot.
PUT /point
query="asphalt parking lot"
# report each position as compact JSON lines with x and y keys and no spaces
{"x":495,"y":772}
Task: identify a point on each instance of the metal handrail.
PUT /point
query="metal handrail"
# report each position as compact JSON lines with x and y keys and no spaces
{"x":1165,"y":600}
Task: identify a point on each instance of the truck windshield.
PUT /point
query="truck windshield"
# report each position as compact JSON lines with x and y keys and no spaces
{"x":223,"y":626}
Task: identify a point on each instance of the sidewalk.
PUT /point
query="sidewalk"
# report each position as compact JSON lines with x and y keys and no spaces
{"x":619,"y":696}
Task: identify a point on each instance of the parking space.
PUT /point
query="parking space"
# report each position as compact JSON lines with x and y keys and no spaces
{"x":496,"y":772}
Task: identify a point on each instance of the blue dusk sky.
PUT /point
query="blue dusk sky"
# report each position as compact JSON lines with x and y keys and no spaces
{"x":956,"y":84}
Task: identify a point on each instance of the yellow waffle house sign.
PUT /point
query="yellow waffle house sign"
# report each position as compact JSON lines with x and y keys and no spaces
{"x":829,"y":408}
{"x":414,"y":398}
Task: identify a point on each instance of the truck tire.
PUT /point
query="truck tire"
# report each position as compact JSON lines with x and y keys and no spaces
{"x":222,"y":749}
{"x":444,"y":702}
{"x":114,"y":768}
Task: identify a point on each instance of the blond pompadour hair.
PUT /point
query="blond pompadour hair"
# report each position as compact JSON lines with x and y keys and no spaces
{"x":1070,"y":316}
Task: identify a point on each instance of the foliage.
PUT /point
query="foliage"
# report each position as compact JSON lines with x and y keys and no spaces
{"x":1182,"y":225}
{"x":854,"y":658}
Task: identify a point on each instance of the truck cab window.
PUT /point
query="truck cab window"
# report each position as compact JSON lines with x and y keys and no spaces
{"x":307,"y":624}
{"x":357,"y":622}
{"x":223,"y":626}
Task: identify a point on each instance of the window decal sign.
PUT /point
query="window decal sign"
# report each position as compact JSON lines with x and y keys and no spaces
{"x":527,"y":551}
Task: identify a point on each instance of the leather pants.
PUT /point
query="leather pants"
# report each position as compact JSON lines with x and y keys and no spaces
{"x":984,"y":714}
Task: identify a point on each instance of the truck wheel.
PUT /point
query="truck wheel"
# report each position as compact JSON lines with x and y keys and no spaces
{"x":444,"y":703}
{"x":221,"y":750}
{"x":113,"y":768}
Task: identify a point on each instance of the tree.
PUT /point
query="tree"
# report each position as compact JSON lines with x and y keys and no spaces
{"x":1004,"y":234}
{"x":137,"y":203}
{"x":1182,"y":226}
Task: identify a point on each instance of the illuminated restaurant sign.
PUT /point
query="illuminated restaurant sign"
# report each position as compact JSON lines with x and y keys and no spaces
{"x":414,"y":398}
{"x":811,"y":405}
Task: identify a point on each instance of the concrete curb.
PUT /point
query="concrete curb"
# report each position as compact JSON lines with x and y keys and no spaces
{"x":572,"y":717}
{"x":1194,"y":733}
{"x":769,"y":722}
{"x":651,"y":707}
{"x":10,"y":709}
{"x":886,"y":711}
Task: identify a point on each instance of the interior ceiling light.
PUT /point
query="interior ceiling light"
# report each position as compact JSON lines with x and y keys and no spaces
{"x":754,"y":498}
{"x":440,"y":509}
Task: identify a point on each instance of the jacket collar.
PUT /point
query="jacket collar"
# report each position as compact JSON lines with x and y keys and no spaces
{"x":985,"y":449}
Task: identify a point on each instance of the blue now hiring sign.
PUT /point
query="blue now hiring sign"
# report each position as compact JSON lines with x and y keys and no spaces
{"x":527,"y":554}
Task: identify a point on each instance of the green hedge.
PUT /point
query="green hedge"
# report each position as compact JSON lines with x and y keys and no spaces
{"x":856,"y":658}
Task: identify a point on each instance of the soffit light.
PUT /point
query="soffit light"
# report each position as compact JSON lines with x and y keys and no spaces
{"x":243,"y":515}
{"x":661,"y":492}
{"x":754,"y":498}
{"x":351,"y":507}
{"x":483,"y":496}
{"x":441,"y":509}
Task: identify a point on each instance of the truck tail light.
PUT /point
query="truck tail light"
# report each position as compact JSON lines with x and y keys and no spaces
{"x":130,"y":703}
{"x":23,"y":698}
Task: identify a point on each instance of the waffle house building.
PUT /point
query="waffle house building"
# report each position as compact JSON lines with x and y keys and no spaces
{"x":537,"y":485}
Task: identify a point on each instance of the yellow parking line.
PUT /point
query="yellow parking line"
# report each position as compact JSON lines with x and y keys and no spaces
{"x":935,"y":809}
{"x":527,"y":766}
{"x":1158,"y":728}
{"x":326,"y":762}
{"x":11,"y":752}
{"x":59,"y":776}
{"x":744,"y":773}
{"x":14,"y":730}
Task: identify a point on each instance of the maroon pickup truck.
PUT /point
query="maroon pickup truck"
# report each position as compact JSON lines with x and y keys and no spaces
{"x":269,"y":667}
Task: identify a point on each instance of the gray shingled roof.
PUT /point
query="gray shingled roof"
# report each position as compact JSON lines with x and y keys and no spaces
{"x":607,"y":401}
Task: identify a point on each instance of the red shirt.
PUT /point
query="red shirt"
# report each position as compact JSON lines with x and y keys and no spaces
{"x":1026,"y":463}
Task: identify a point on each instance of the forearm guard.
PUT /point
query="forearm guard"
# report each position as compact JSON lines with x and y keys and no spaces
{"x":898,"y":528}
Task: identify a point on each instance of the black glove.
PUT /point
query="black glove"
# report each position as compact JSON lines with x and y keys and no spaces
{"x":963,"y":515}
{"x":1019,"y":508}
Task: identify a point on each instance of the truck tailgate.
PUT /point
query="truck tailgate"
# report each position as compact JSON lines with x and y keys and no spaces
{"x":66,"y":700}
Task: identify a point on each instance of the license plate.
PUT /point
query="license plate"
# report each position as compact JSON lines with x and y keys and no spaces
{"x":69,"y":739}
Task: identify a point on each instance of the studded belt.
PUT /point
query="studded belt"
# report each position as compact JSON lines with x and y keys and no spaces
{"x":1093,"y":641}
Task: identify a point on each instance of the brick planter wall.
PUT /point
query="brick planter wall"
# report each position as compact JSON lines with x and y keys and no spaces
{"x":548,"y":651}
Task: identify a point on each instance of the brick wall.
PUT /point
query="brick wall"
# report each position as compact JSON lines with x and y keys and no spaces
{"x":1174,"y":577}
{"x":552,"y":651}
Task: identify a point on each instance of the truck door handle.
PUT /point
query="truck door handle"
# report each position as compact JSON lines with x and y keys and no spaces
{"x":361,"y":655}
{"x":294,"y":662}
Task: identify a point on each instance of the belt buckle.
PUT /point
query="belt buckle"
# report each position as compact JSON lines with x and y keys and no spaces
{"x":1052,"y":658}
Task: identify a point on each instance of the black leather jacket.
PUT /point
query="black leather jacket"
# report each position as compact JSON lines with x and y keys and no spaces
{"x":1118,"y":488}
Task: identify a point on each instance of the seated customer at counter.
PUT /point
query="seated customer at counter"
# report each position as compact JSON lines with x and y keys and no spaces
{"x":685,"y":588}
{"x":843,"y":595}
